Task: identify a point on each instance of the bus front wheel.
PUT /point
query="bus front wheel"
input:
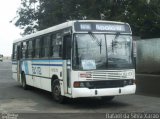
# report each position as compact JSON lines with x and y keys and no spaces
{"x":56,"y":92}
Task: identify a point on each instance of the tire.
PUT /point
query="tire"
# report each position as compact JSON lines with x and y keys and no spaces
{"x":107,"y":98}
{"x":56,"y":92}
{"x":24,"y":85}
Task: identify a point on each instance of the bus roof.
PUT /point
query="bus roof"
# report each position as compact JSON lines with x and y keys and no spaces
{"x":59,"y":27}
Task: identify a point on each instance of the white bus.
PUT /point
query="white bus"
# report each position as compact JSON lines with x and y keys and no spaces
{"x":83,"y":58}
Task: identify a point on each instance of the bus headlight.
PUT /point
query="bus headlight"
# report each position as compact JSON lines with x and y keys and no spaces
{"x":78,"y":84}
{"x":82,"y":84}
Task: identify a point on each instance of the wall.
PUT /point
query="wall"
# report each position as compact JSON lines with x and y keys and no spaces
{"x":147,"y":65}
{"x":148,"y":56}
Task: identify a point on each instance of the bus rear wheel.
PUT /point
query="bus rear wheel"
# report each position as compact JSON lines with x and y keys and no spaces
{"x":56,"y":92}
{"x":24,"y":85}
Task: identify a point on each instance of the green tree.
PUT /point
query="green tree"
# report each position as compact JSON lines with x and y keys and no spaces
{"x":27,"y":16}
{"x":143,"y":16}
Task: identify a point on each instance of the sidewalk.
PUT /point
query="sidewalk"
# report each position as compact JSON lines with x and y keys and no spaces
{"x":148,"y":84}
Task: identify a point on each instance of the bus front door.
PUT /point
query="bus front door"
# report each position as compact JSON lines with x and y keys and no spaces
{"x":67,"y":63}
{"x":18,"y":63}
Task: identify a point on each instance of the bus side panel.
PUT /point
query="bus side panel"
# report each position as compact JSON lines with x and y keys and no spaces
{"x":56,"y":69}
{"x":46,"y":84}
{"x":27,"y":68}
{"x":14,"y":71}
{"x":41,"y":74}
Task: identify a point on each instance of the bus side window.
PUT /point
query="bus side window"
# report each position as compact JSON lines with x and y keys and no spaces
{"x":30,"y":49}
{"x":45,"y":46}
{"x":24,"y":50}
{"x":41,"y":47}
{"x":57,"y":46}
{"x":33,"y":48}
{"x":52,"y":43}
{"x":20,"y":50}
{"x":26,"y":53}
{"x":37,"y":48}
{"x":14,"y":52}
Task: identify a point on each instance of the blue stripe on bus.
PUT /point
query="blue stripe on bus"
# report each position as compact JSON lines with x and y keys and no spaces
{"x":50,"y":64}
{"x":47,"y":60}
{"x":47,"y":64}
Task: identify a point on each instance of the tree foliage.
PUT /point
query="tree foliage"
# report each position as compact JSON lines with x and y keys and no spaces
{"x":144,"y":18}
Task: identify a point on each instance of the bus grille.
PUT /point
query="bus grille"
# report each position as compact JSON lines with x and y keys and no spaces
{"x":103,"y":75}
{"x":107,"y":84}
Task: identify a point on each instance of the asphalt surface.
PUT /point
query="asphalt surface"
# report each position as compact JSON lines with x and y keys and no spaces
{"x":37,"y":104}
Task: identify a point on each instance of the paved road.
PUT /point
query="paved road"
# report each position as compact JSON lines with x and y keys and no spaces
{"x":13,"y":99}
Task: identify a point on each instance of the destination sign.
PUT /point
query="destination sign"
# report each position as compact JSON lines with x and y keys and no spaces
{"x":110,"y":27}
{"x":85,"y":26}
{"x":102,"y":27}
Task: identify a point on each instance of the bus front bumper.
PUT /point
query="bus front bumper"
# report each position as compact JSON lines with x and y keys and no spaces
{"x":86,"y":92}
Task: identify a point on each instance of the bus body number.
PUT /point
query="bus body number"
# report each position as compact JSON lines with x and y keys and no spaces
{"x":36,"y":70}
{"x":55,"y":70}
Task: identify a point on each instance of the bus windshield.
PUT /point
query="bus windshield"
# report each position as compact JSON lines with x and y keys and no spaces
{"x":102,"y":51}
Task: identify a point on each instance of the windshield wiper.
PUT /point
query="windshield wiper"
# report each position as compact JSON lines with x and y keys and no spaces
{"x":94,"y":38}
{"x":114,"y":41}
{"x":117,"y":35}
